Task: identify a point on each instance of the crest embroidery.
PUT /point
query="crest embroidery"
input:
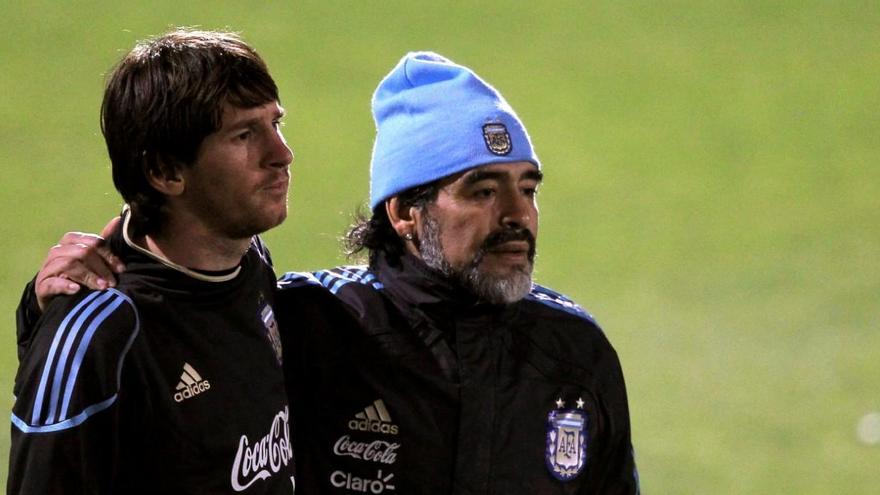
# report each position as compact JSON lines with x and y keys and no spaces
{"x":267,"y":316}
{"x":497,"y":139}
{"x":566,"y":452}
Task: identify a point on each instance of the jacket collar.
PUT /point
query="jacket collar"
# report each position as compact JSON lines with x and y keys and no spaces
{"x":170,"y":278}
{"x":414,"y":285}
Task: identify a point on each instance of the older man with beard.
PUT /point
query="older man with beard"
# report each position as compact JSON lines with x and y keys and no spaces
{"x":461,"y":376}
{"x":440,"y":367}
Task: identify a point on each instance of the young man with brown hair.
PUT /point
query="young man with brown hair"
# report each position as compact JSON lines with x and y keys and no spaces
{"x":171,"y":382}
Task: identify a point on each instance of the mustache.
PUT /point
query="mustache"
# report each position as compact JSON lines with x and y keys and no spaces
{"x":500,"y":237}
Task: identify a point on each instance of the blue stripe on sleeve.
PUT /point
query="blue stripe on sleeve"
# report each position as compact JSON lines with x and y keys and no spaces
{"x":556,"y":300}
{"x":297,"y":279}
{"x":332,"y":280}
{"x":81,"y":350}
{"x":88,"y":316}
{"x":68,"y":423}
{"x":58,"y":378}
{"x":47,"y":367}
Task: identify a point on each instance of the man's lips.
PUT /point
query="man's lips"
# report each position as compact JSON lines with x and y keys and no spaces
{"x":510,"y":252}
{"x":511,"y":247}
{"x":278,"y":185}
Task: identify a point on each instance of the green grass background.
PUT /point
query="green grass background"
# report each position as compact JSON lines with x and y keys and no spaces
{"x":712,"y":191}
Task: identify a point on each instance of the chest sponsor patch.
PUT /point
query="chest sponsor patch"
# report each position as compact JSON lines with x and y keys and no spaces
{"x":260,"y":458}
{"x":190,"y":385}
{"x":372,"y":451}
{"x":374,"y":419}
{"x":566,"y":452}
{"x":350,"y":482}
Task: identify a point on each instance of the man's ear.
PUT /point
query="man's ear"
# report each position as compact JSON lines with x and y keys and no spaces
{"x":405,"y":220}
{"x":166,"y":178}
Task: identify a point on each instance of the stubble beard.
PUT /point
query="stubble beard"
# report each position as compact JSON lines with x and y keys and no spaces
{"x":253,"y":220}
{"x":492,"y":288}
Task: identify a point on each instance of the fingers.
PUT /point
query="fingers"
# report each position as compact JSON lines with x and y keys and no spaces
{"x":92,"y":243}
{"x":78,"y":259}
{"x":50,"y":287}
{"x":110,"y":260}
{"x":78,"y":263}
{"x":115,"y":263}
{"x":110,"y":227}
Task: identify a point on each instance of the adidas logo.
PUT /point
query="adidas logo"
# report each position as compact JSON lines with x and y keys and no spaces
{"x":190,"y":384}
{"x":373,"y":418}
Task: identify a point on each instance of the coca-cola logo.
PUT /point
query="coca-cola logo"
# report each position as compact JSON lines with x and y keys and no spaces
{"x":263,"y":458}
{"x":375,"y":451}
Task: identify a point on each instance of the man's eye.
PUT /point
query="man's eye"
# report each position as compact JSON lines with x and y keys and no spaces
{"x":484,"y":193}
{"x":244,"y":136}
{"x":530,"y":191}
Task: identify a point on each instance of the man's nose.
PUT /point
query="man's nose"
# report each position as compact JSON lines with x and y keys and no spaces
{"x":517,"y":210}
{"x":280,"y":154}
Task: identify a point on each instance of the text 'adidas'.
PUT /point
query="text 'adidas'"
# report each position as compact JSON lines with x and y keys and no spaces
{"x":374,"y":418}
{"x":190,"y":385}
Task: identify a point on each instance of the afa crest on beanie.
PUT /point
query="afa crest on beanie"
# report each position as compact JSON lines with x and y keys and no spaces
{"x":435,"y":118}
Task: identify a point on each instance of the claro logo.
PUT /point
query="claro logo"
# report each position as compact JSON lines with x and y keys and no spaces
{"x":379,"y":484}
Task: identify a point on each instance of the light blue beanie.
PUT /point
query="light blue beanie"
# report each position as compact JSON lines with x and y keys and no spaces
{"x":435,"y":118}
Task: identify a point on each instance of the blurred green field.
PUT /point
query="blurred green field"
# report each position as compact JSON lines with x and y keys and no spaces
{"x":712,"y":191}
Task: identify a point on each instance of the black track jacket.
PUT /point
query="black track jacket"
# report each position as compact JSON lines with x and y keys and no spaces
{"x":169,"y":384}
{"x":399,"y":384}
{"x":402,"y":384}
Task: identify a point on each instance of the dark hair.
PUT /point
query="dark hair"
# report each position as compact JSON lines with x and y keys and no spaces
{"x":376,"y":235}
{"x":164,"y":98}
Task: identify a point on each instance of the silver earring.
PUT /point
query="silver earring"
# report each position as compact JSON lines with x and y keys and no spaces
{"x":408,"y":236}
